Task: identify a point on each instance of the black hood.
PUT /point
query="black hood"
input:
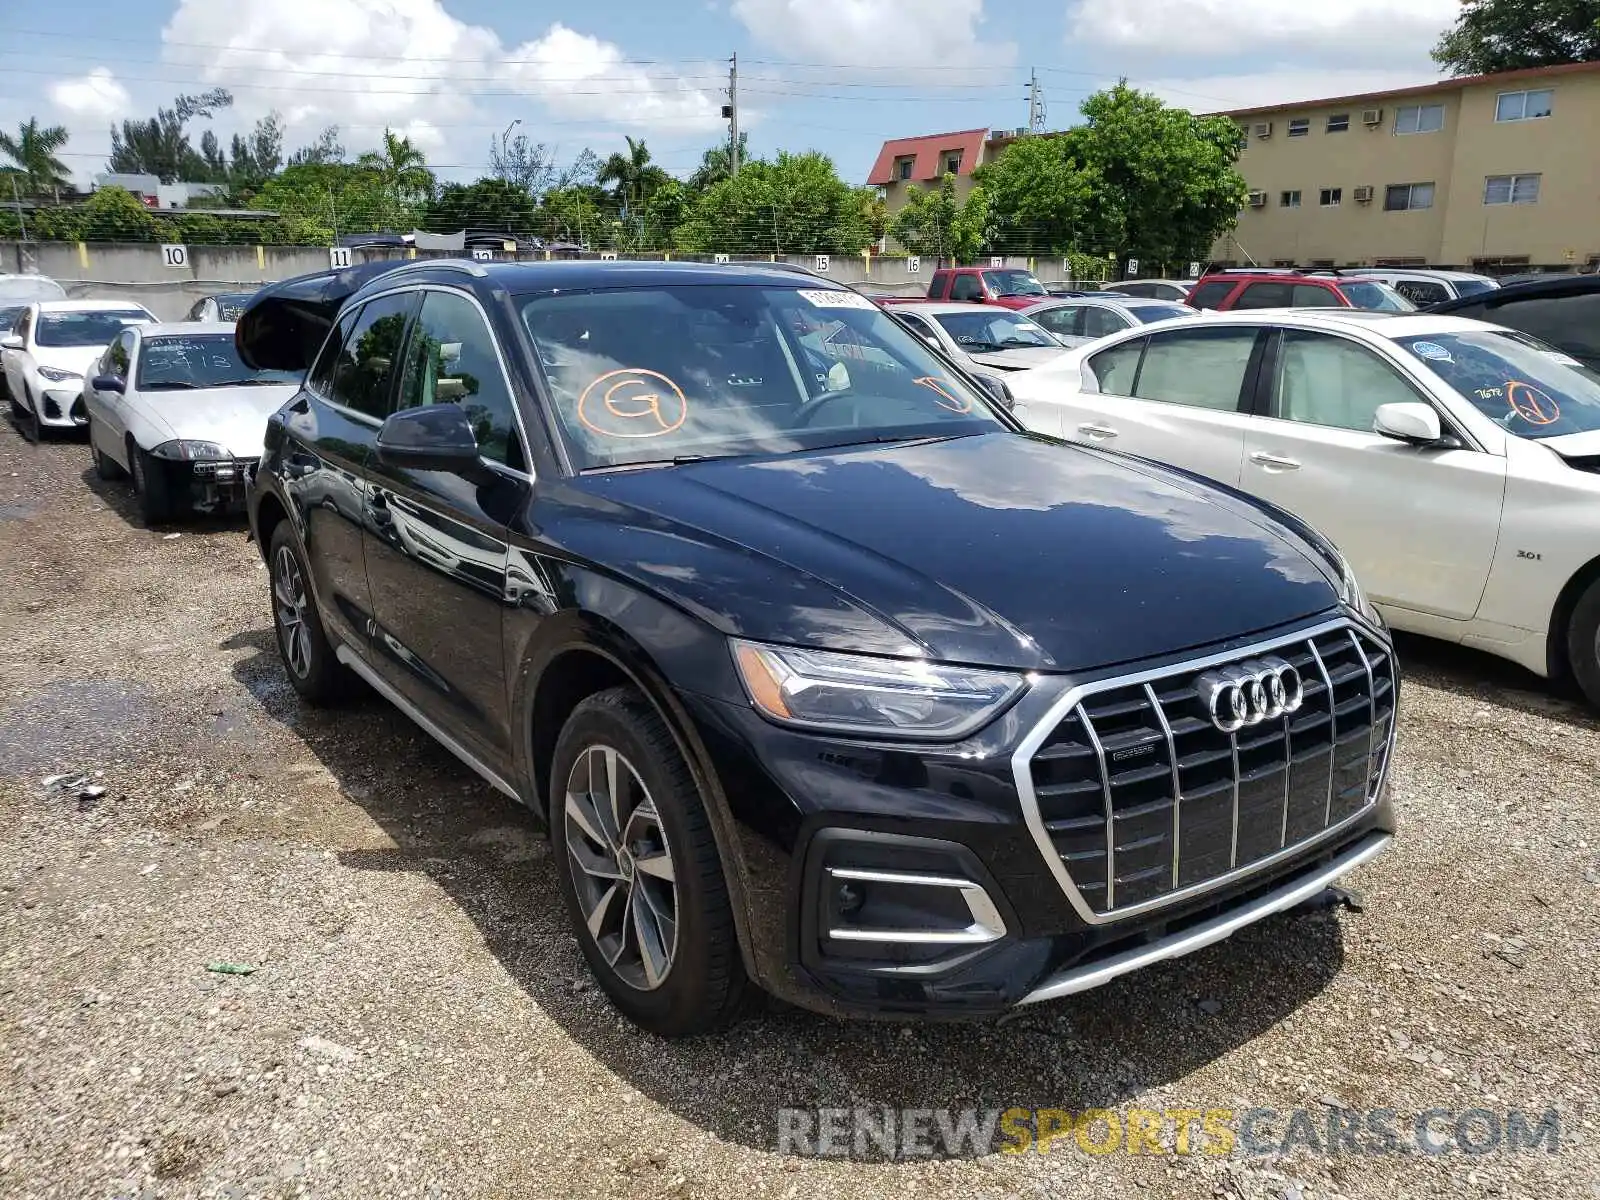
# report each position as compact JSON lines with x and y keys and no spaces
{"x":285,"y":323}
{"x":1001,"y":549}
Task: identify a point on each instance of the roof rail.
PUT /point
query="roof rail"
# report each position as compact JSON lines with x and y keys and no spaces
{"x":451,"y":264}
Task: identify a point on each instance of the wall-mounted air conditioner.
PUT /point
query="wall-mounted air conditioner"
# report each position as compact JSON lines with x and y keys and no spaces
{"x":1264,"y":129}
{"x":1362,"y":195}
{"x":1372,"y":116}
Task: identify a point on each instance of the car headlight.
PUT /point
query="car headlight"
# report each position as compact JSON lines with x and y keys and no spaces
{"x":57,"y":375}
{"x":856,"y":693}
{"x":1352,"y":596}
{"x":188,"y":451}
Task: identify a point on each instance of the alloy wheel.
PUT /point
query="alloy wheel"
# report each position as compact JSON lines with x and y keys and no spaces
{"x":289,"y":607}
{"x":622,"y":869}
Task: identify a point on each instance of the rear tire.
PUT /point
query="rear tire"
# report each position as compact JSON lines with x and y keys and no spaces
{"x":309,"y":659}
{"x":639,"y":870}
{"x":150,"y":486}
{"x":1583,"y":643}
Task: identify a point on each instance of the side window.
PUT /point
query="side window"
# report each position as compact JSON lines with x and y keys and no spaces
{"x":24,"y":325}
{"x":1165,"y":291}
{"x":1210,"y":295}
{"x":1265,"y":295}
{"x":919,"y":327}
{"x":941,"y":283}
{"x":451,"y":359}
{"x":1309,"y":295}
{"x":966,"y":287}
{"x":1066,"y":320}
{"x":1098,"y":322}
{"x":1570,"y":323}
{"x":1422,"y":292}
{"x":119,"y":357}
{"x":1116,"y":369}
{"x":320,"y":378}
{"x":363,"y":374}
{"x":1327,"y":380}
{"x":1201,"y":368}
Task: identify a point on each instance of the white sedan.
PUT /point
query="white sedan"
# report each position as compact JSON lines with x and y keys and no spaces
{"x":48,"y":350}
{"x":172,"y":406}
{"x":981,"y":336}
{"x":1456,"y":464}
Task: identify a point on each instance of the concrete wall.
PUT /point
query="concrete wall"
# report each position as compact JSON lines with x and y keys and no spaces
{"x":139,"y":272}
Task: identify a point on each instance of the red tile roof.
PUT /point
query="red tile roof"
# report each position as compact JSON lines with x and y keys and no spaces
{"x":1443,"y":85}
{"x":929,"y":152}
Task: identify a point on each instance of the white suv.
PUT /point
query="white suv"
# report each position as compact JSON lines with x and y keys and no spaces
{"x":1456,"y":464}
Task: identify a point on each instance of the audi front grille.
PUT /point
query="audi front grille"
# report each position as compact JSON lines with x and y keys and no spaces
{"x":1098,"y":779}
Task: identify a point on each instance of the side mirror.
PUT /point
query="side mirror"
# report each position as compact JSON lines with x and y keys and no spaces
{"x":997,"y":389}
{"x":10,"y":342}
{"x":437,"y":437}
{"x":1414,"y":423}
{"x":108,"y":383}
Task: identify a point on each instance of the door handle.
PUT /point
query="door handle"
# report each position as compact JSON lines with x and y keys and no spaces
{"x":1274,"y":462}
{"x":1097,"y":431}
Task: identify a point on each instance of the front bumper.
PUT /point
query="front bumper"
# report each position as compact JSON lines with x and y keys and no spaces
{"x":61,"y":406}
{"x":954,"y":881}
{"x":209,"y":485}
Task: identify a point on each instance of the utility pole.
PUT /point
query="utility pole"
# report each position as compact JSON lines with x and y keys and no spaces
{"x":17,"y":196}
{"x":730,"y":111}
{"x":1036,"y":115}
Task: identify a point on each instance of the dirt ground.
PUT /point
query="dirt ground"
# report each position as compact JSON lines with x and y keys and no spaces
{"x":420,"y":1024}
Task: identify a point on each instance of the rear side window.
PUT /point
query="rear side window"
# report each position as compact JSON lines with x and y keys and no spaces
{"x":1268,"y":295}
{"x":1066,"y":321}
{"x":966,"y":287}
{"x":1098,"y":322}
{"x":1309,"y":295}
{"x":1201,"y":368}
{"x":1570,"y":323}
{"x":320,"y":378}
{"x":363,"y":374}
{"x":1116,"y":369}
{"x":941,"y":282}
{"x":1210,"y":295}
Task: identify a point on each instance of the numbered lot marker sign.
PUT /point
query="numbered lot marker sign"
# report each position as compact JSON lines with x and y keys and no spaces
{"x":338,"y":257}
{"x":608,"y":256}
{"x":997,"y":261}
{"x":174,"y":256}
{"x":822,"y":262}
{"x":914,"y":265}
{"x":1194,"y":270}
{"x":482,"y":254}
{"x":1133,"y":267}
{"x":719,"y":258}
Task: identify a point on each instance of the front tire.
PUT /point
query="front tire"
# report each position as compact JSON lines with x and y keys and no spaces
{"x":639,"y":870}
{"x":314,"y":669}
{"x":105,"y":466}
{"x":150,"y":486}
{"x":1583,"y":643}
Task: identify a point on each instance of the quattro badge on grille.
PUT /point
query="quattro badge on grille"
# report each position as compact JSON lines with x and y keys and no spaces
{"x":1249,"y":693}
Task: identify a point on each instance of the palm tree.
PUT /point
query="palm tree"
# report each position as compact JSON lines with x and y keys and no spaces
{"x":402,"y":166}
{"x":632,"y":176}
{"x":33,"y":151}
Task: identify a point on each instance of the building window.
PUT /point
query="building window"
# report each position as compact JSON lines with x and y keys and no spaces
{"x":952,"y":163}
{"x":1289,"y":199}
{"x":1322,"y":264}
{"x":1401,"y":197}
{"x":1299,"y":127}
{"x":1511,"y":189}
{"x":1523,"y":106}
{"x":1339,"y":123}
{"x":1419,"y":118}
{"x":1332,"y":197}
{"x":903,"y":166}
{"x":1279,"y":264}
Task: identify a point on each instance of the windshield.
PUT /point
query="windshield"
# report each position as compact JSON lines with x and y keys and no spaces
{"x":1149,"y":313}
{"x":230,"y":305}
{"x":8,"y":317}
{"x":1376,"y":297}
{"x":1472,"y":287}
{"x":1531,"y":389}
{"x":1014,"y":283}
{"x":206,"y":360}
{"x":988,"y":329}
{"x":654,"y":375}
{"x":89,"y":328}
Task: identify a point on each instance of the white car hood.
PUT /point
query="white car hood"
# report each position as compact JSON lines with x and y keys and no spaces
{"x":1020,"y":359}
{"x":1574,"y":445}
{"x":234,"y":417}
{"x":79,"y":360}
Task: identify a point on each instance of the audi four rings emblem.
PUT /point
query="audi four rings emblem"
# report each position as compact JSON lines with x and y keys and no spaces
{"x":1249,"y":693}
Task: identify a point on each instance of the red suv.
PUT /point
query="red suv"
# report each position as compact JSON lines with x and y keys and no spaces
{"x":1277,"y":290}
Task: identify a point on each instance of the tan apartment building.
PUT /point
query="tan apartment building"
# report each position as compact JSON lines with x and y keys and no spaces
{"x":1495,"y":172}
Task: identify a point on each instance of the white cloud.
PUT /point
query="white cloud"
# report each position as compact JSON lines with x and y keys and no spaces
{"x":1373,"y":33}
{"x":96,"y":96}
{"x":919,"y":34}
{"x":1222,"y":92}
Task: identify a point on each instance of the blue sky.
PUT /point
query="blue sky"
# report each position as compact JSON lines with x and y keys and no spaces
{"x":834,"y":75}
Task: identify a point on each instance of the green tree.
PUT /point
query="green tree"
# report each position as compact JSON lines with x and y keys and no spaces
{"x":33,"y":156}
{"x":574,"y":213}
{"x":631,"y":176}
{"x":1164,"y":182}
{"x":796,"y":204}
{"x":716,"y":164}
{"x":402,"y":167}
{"x":160,"y":145}
{"x":1040,"y":195}
{"x":326,"y":150}
{"x":661,"y":215}
{"x":254,"y":159}
{"x":488,"y":202}
{"x":115,"y":215}
{"x":1507,"y":35}
{"x":935,"y":223}
{"x":330,"y":199}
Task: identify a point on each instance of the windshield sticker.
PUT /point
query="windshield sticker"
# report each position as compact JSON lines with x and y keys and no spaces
{"x":947,"y":399}
{"x":1432,"y":351}
{"x":1531,"y":404}
{"x":633,"y":403}
{"x":821,"y":298}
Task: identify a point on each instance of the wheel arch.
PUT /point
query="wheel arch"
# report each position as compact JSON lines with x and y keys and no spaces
{"x":269,"y":512}
{"x":1561,"y":617}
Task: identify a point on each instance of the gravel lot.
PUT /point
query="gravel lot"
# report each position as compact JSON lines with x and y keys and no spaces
{"x":420,"y":1023}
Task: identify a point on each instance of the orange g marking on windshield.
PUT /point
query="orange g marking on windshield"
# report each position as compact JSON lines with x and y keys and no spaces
{"x":637,"y":404}
{"x":955,"y":404}
{"x":1532,"y":405}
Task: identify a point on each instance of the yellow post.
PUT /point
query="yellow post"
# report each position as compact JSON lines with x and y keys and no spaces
{"x":867,"y":257}
{"x":666,"y":256}
{"x":83,"y":255}
{"x":411,"y":252}
{"x":261,"y":258}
